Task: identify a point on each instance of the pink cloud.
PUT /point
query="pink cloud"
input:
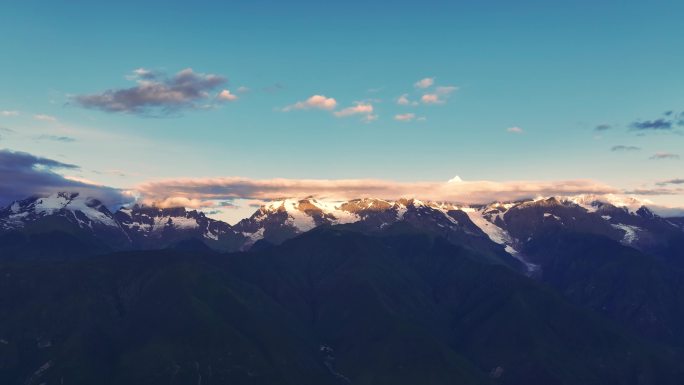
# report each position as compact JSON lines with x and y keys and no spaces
{"x":405,"y":117}
{"x":319,"y":102}
{"x":424,"y":83}
{"x":358,"y":109}
{"x":470,"y":192}
{"x":226,"y":95}
{"x":431,"y":99}
{"x":179,"y":201}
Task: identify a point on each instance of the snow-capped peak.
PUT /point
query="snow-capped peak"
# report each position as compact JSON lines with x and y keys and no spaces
{"x":592,"y":202}
{"x":85,"y":211}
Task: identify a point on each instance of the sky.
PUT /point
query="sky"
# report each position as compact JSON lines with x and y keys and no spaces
{"x":219,"y":106}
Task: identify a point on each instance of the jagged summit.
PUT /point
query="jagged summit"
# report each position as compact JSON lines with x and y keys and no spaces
{"x":151,"y":227}
{"x":81,"y":210}
{"x":498,"y":227}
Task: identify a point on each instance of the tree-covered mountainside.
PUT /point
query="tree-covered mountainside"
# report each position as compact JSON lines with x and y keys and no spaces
{"x":332,"y":306}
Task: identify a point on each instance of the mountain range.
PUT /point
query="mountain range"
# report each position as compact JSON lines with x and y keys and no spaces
{"x":502,"y":230}
{"x":559,"y":290}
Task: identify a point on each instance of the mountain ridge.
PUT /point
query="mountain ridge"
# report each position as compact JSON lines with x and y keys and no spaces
{"x":499,"y":227}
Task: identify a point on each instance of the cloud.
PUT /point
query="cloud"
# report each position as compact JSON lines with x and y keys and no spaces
{"x":81,"y":179}
{"x":56,"y":138}
{"x":319,"y":102}
{"x":405,"y":117}
{"x":603,"y":127}
{"x":226,"y":96}
{"x":155,"y":93}
{"x":664,"y":155}
{"x":436,"y":95}
{"x":45,"y":118}
{"x":141,"y":73}
{"x":32,"y":175}
{"x":227,"y":204}
{"x":322,"y":102}
{"x":9,"y":113}
{"x":624,"y":148}
{"x":369,"y":118}
{"x":446,"y":90}
{"x":231,"y":188}
{"x":439,"y":95}
{"x":243,"y":90}
{"x":114,"y":172}
{"x":670,"y":182}
{"x":654,"y":191}
{"x":515,"y":130}
{"x":431,"y":99}
{"x":667,"y":212}
{"x":180,"y":202}
{"x":424,"y":83}
{"x":358,"y":109}
{"x":657,"y":124}
{"x":403,"y":100}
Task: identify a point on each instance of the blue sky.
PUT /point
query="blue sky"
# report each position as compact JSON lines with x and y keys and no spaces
{"x":555,"y":71}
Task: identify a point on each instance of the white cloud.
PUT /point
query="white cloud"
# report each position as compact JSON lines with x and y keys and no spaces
{"x":515,"y":130}
{"x":242,"y":90}
{"x":140,"y":73}
{"x":424,"y":83}
{"x":227,"y":96}
{"x":319,"y":102}
{"x":44,"y":118}
{"x":358,"y":109}
{"x":405,"y":117}
{"x":9,"y":113}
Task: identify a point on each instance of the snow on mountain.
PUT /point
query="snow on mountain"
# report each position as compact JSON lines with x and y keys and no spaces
{"x":592,"y":202}
{"x":151,"y":227}
{"x":282,"y":219}
{"x":630,"y":233}
{"x":150,"y":220}
{"x":624,"y":219}
{"x":508,"y":224}
{"x":297,"y":215}
{"x":494,"y":232}
{"x":83,"y":211}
